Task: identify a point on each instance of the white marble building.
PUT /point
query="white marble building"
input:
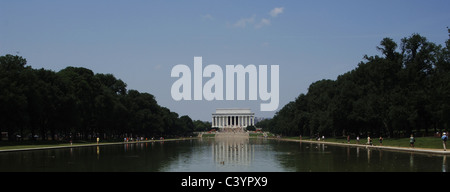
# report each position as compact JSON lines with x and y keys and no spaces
{"x":232,"y":118}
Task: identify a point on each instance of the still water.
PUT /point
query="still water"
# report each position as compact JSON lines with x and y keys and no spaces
{"x":210,"y":155}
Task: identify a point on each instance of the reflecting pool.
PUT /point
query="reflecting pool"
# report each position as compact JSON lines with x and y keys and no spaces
{"x":220,"y":155}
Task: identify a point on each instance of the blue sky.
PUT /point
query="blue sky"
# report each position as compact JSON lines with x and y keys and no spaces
{"x":140,"y":41}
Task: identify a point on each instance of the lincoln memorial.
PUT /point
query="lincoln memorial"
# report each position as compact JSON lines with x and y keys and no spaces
{"x":232,"y":119}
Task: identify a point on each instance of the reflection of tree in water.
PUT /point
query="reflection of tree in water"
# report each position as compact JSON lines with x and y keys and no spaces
{"x":301,"y":157}
{"x":318,"y":157}
{"x":145,"y":156}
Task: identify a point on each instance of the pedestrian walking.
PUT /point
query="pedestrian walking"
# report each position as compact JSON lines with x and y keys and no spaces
{"x":348,"y":138}
{"x":411,"y":141}
{"x":381,"y":141}
{"x":357,"y":139}
{"x":98,"y":139}
{"x":444,"y":141}
{"x":369,"y":140}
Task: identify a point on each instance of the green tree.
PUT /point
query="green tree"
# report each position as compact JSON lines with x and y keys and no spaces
{"x":13,"y":100}
{"x":401,"y":92}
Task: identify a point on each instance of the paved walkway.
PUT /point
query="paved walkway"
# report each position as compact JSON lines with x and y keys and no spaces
{"x":404,"y":149}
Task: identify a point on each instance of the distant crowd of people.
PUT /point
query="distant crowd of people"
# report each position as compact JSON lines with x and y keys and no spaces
{"x":137,"y":139}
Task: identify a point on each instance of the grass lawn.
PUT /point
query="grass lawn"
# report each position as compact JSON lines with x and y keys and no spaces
{"x":208,"y":135}
{"x":260,"y":134}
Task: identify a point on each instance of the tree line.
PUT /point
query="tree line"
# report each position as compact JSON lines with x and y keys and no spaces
{"x":76,"y":103}
{"x":404,"y":91}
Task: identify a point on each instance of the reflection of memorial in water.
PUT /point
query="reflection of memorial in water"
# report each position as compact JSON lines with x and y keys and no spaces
{"x":235,"y":151}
